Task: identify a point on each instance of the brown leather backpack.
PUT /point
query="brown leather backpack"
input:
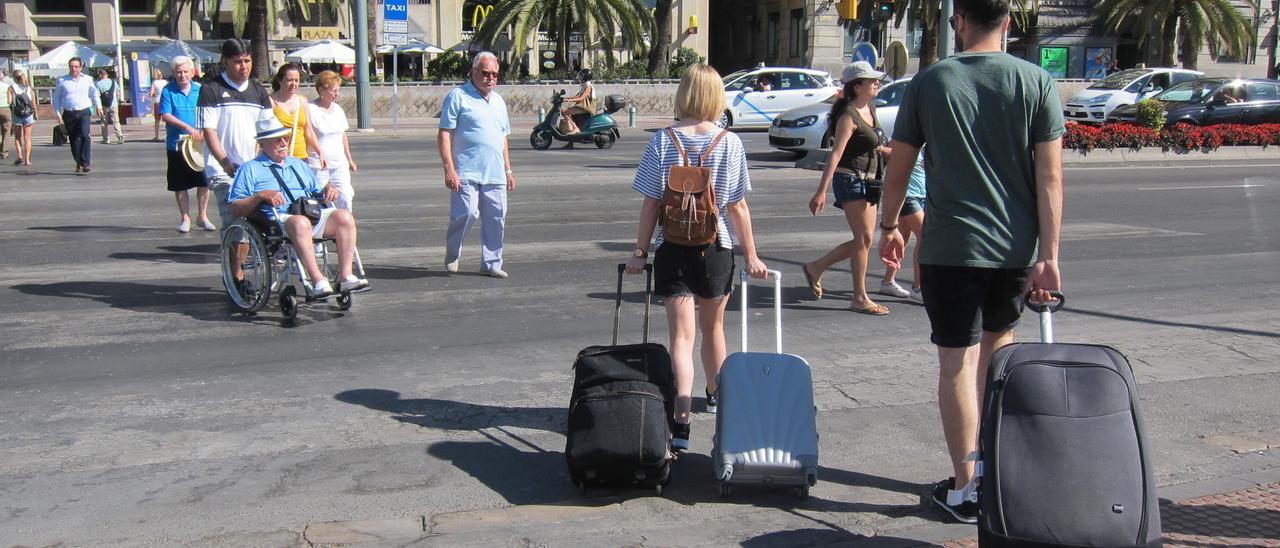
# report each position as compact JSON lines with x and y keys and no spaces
{"x":688,"y":209}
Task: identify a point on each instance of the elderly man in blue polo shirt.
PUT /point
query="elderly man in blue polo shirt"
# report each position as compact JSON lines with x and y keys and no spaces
{"x":264,"y":188}
{"x":477,"y":164}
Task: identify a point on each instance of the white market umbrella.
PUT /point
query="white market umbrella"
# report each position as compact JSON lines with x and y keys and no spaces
{"x":165,"y":54}
{"x":54,"y":62}
{"x":414,"y":46}
{"x":326,"y":51}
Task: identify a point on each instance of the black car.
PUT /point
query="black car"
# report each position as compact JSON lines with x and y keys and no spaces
{"x":1207,"y":101}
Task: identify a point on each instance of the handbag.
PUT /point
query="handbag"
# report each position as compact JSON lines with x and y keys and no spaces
{"x":305,"y":205}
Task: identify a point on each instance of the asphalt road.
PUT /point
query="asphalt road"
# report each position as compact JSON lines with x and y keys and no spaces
{"x":137,"y":409}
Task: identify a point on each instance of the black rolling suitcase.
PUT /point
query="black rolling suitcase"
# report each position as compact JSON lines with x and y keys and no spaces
{"x":1063,"y":456}
{"x":619,"y":432}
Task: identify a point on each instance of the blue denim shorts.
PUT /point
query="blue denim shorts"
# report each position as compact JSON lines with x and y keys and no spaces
{"x":849,"y":188}
{"x":912,"y":205}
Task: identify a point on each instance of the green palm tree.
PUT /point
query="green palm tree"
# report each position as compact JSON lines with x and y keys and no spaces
{"x":660,"y":43}
{"x":1168,"y":26}
{"x":252,"y":19}
{"x":929,"y":14}
{"x":609,"y":24}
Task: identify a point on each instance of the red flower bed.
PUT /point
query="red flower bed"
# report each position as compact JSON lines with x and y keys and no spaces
{"x":1178,"y":137}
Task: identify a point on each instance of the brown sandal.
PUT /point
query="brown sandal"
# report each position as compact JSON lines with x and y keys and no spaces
{"x":815,"y":284}
{"x":873,"y":310}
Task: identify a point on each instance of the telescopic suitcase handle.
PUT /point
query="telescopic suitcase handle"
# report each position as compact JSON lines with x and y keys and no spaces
{"x":648,"y":298}
{"x":777,"y":307}
{"x":1046,"y":311}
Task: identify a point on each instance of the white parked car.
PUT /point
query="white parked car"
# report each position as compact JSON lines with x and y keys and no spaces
{"x":749,"y":104}
{"x":1126,"y":87}
{"x":804,"y":129}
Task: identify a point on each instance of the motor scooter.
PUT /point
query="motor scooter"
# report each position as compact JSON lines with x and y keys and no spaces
{"x":600,"y":128}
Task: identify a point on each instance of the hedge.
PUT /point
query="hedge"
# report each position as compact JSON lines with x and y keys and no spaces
{"x":1179,"y":137}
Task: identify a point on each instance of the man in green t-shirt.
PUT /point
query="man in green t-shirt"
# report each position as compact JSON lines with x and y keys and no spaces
{"x":994,"y":127}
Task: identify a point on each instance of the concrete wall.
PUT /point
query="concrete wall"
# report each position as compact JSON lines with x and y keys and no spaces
{"x":650,"y":99}
{"x":416,"y":100}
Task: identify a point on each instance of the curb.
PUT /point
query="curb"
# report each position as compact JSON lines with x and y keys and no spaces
{"x":816,"y":159}
{"x":939,"y":533}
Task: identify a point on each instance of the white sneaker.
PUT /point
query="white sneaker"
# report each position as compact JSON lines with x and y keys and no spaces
{"x":320,"y":289}
{"x":496,"y":273}
{"x":916,"y":296}
{"x":353,"y":284}
{"x":892,"y":289}
{"x":451,"y":266}
{"x":208,"y":226}
{"x":184,"y":227}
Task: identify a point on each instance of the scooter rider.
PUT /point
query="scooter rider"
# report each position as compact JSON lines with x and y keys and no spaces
{"x":584,"y":102}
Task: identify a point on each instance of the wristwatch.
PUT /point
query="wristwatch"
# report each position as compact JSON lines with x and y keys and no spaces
{"x":640,"y":254}
{"x":887,"y":228}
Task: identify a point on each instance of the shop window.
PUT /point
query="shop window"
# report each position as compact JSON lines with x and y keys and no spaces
{"x":799,"y":35}
{"x":60,"y":6}
{"x":138,"y":7}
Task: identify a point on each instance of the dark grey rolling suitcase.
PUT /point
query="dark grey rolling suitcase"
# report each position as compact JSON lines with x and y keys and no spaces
{"x":766,"y":427}
{"x":1063,"y":459}
{"x":618,"y":432}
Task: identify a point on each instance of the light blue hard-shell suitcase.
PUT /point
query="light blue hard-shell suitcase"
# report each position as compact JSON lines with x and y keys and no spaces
{"x":766,"y":426}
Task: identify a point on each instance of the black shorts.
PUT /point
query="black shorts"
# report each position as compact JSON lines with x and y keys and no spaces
{"x":705,"y":271}
{"x":964,"y":301}
{"x":180,"y":176}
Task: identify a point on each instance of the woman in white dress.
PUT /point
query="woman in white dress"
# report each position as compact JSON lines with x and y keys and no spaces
{"x":330,"y":124}
{"x":157,"y":89}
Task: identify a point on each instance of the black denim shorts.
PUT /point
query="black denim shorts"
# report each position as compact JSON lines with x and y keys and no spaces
{"x":964,"y":301}
{"x":705,"y":271}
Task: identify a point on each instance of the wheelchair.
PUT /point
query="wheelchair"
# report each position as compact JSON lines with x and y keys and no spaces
{"x":270,"y":265}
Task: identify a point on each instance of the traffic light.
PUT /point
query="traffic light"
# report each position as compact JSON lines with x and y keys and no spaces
{"x":884,"y":10}
{"x":847,"y":9}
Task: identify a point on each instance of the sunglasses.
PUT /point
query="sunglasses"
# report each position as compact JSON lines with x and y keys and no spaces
{"x":489,"y":74}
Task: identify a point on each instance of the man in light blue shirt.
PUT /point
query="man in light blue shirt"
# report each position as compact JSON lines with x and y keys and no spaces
{"x":477,"y":164}
{"x":73,"y":99}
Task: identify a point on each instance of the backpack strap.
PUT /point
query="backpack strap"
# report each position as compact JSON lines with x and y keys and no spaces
{"x":711,"y":147}
{"x":671,"y":132}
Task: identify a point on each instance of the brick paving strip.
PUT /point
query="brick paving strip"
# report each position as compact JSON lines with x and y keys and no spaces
{"x":1245,"y":517}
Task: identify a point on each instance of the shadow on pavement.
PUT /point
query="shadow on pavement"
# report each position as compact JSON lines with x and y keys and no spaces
{"x":533,"y":476}
{"x":99,"y":228}
{"x":1168,"y":323}
{"x":187,"y":254}
{"x":825,"y":537}
{"x":190,"y":301}
{"x":453,"y":415}
{"x":402,"y":272}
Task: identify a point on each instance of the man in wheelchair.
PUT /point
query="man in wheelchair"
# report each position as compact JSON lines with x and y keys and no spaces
{"x":265,"y":188}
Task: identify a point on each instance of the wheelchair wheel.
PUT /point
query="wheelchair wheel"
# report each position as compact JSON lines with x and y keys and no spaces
{"x":245,"y":250}
{"x":289,"y":303}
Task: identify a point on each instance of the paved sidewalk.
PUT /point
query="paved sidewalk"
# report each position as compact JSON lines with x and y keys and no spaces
{"x":1242,"y":517}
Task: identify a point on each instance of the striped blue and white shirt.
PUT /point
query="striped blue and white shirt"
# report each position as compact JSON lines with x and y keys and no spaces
{"x":729,"y":175}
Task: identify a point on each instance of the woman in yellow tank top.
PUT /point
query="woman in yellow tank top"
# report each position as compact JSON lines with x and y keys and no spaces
{"x":290,"y":109}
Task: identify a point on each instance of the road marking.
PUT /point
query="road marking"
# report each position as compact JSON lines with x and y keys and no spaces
{"x":1197,"y":187}
{"x":1151,"y":167}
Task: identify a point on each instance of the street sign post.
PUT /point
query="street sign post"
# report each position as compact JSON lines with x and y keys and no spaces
{"x":395,"y":31}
